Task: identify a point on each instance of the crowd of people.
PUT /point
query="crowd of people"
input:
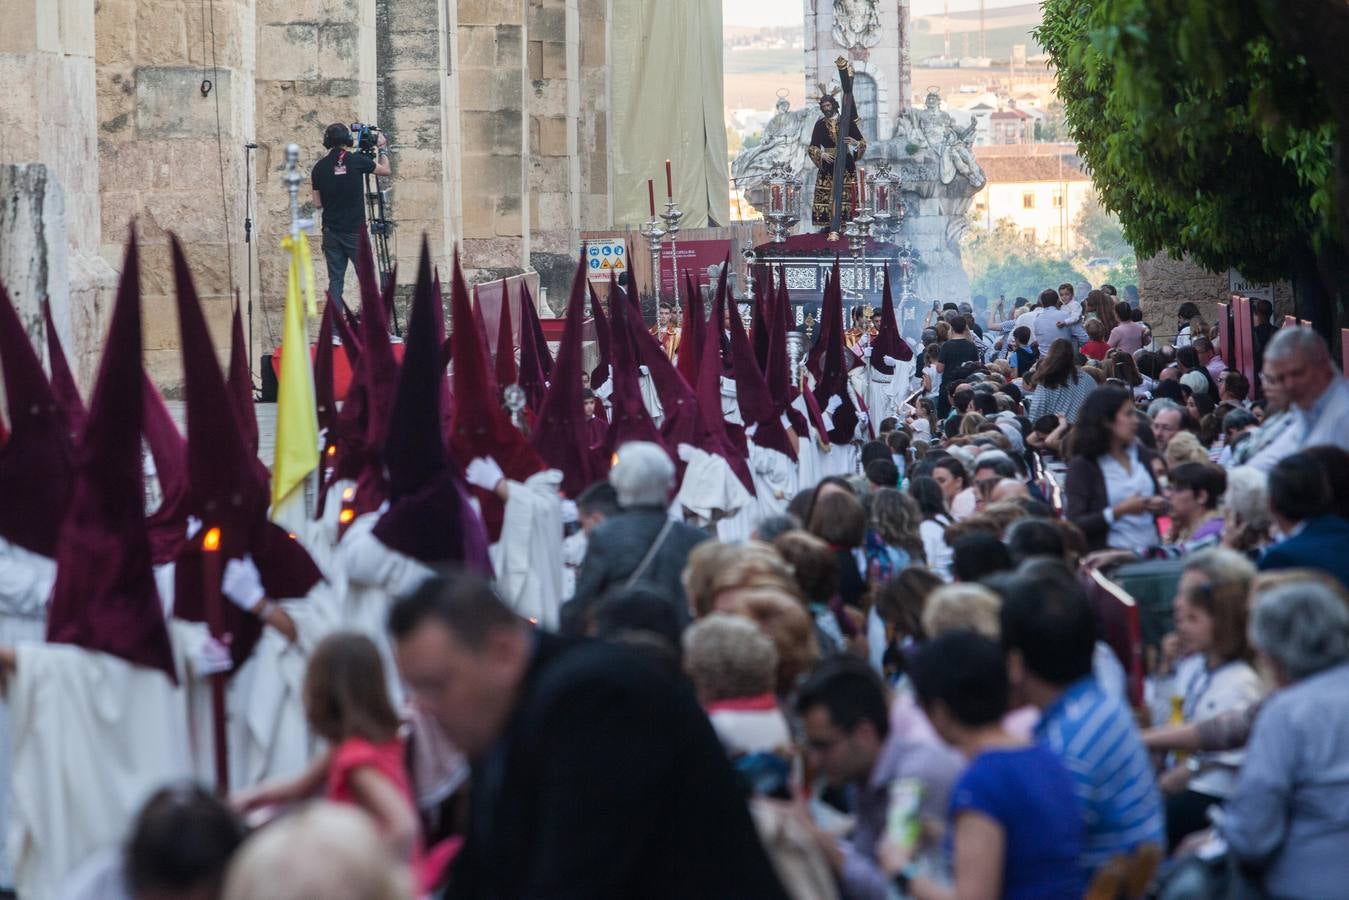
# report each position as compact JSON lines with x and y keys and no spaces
{"x":694,"y":622}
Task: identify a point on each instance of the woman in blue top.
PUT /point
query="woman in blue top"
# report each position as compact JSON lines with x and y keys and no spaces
{"x":1015,"y":827}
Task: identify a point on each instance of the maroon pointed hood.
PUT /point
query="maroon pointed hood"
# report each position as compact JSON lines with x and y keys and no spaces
{"x":832,"y":377}
{"x":36,"y":462}
{"x":603,"y":338}
{"x":62,"y":381}
{"x":753,"y":396}
{"x":693,"y":335}
{"x":761,"y":328}
{"x":379,"y":375}
{"x":529,"y":318}
{"x":712,"y":436}
{"x":888,"y":341}
{"x":679,"y":405}
{"x":228,"y":489}
{"x":630,"y":421}
{"x":429,"y":517}
{"x":815,"y":355}
{"x":480,"y":322}
{"x":506,"y":371}
{"x":534,"y":359}
{"x":167,"y":525}
{"x":105,"y":597}
{"x":560,"y":434}
{"x":481,"y":426}
{"x":221,"y":467}
{"x":240,"y":381}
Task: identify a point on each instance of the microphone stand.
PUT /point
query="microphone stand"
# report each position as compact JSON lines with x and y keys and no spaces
{"x":248,"y":241}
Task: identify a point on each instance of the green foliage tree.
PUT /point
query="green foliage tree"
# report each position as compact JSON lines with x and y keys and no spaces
{"x":1205,"y":132}
{"x":1099,"y":232}
{"x":1003,"y":262}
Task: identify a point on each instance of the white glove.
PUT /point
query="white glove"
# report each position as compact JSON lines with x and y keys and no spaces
{"x":484,"y":472}
{"x":212,"y":658}
{"x":862,"y":418}
{"x":686,"y":452}
{"x":727,"y":387}
{"x":644,"y":370}
{"x":890,"y":361}
{"x":242,"y":583}
{"x":193,"y":526}
{"x":569,"y":512}
{"x":866,"y":352}
{"x":605,"y":390}
{"x":834,"y":403}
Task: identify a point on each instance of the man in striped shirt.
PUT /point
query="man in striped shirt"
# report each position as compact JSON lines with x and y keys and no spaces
{"x":1049,"y":631}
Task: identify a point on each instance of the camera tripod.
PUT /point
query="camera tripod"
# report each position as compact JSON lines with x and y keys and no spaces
{"x":380,"y":227}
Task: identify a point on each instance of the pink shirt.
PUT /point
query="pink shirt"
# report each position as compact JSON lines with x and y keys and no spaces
{"x":1127,"y":336}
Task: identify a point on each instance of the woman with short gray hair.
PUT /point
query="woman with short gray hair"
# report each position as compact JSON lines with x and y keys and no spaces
{"x":1246,"y":510}
{"x":643,"y":475}
{"x":1287,"y":822}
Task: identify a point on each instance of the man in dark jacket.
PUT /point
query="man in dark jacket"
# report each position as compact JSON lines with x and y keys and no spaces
{"x":640,"y":545}
{"x":595,"y":774}
{"x":1302,"y":502}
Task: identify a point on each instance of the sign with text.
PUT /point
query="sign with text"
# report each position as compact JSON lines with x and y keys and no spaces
{"x":605,"y":258}
{"x":694,"y":258}
{"x":1256,"y":290}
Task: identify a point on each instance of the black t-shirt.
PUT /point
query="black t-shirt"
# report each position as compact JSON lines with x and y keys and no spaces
{"x":338,"y":179}
{"x":954,"y":354}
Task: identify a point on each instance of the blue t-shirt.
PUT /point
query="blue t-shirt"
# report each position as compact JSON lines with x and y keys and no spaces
{"x":1030,"y":794}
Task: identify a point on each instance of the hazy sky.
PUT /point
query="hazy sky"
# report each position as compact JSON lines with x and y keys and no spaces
{"x":789,"y":12}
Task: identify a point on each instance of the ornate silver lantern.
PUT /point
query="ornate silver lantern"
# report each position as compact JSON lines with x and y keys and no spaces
{"x":887,"y":201}
{"x":783,"y":192}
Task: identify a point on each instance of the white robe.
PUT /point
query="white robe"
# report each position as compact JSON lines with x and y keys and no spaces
{"x":651,"y":397}
{"x":26,"y":581}
{"x":94,"y":737}
{"x":269,"y":735}
{"x":528,"y":558}
{"x":710,"y":488}
{"x":371,"y":575}
{"x":775,"y":480}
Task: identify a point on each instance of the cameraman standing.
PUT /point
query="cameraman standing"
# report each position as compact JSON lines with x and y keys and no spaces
{"x":339,"y":190}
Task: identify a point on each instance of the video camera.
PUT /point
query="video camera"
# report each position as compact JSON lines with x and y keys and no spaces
{"x":365,"y":138}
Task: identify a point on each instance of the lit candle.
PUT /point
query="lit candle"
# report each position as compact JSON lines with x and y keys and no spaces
{"x":651,"y":195}
{"x":215,"y":623}
{"x":669,"y":181}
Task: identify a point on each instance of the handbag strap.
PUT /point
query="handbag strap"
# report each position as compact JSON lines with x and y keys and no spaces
{"x":651,"y":551}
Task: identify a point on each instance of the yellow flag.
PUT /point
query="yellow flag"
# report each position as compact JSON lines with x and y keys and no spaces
{"x":297,"y":430}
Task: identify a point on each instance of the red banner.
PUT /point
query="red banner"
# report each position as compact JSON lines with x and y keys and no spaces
{"x":694,"y":258}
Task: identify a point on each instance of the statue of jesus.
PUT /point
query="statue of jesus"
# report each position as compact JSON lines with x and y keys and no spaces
{"x":823,"y":146}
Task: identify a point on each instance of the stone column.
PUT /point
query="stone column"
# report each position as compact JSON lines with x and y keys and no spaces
{"x":48,"y":115}
{"x":316,"y":66}
{"x":172,"y":155}
{"x":555,"y":165}
{"x":592,"y":140}
{"x":494,"y":134}
{"x":418,"y":99}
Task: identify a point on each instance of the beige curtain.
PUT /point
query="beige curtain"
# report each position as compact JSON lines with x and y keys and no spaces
{"x":667,"y":95}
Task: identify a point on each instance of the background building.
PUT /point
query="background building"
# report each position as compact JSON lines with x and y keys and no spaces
{"x":516,"y":124}
{"x":1039,"y":188}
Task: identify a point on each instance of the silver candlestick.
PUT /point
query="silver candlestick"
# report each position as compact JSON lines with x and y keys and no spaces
{"x":293,"y":180}
{"x":654,"y":234}
{"x":671,"y":216}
